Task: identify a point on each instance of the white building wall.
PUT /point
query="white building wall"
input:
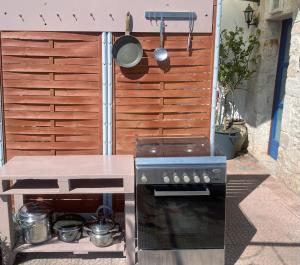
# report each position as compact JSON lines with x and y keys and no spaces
{"x":257,"y":102}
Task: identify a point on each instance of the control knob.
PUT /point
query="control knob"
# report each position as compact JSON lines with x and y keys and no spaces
{"x":176,"y":178}
{"x":196,"y":178}
{"x":144,"y":179}
{"x":166,"y":179}
{"x":186,"y":178}
{"x":206,"y":178}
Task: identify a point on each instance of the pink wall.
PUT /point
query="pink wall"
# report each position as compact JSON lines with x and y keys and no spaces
{"x":30,"y":11}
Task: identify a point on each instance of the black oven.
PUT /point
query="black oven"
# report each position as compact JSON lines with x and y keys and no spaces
{"x":171,"y":217}
{"x":180,"y":203}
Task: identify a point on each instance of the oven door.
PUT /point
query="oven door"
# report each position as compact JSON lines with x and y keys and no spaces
{"x":180,"y":216}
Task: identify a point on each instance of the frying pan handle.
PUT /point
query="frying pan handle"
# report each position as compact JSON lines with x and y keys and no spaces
{"x":128,"y":17}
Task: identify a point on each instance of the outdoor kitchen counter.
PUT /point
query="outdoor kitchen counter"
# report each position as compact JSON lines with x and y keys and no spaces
{"x":68,"y":175}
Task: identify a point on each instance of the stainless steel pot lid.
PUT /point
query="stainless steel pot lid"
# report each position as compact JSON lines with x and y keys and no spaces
{"x":101,"y":227}
{"x":67,"y":225}
{"x":34,"y":211}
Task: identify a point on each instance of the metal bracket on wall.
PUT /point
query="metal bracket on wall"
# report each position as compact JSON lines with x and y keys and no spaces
{"x":157,"y":15}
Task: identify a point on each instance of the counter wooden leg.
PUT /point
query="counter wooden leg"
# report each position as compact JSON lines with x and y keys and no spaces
{"x":130,"y":228}
{"x":6,"y":230}
{"x":18,"y":202}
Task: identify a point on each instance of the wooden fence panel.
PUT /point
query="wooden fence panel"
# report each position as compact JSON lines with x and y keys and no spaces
{"x":171,"y":99}
{"x":53,"y":100}
{"x":52,"y":93}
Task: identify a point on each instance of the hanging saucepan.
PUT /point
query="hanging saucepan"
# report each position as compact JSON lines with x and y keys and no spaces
{"x":127,"y":50}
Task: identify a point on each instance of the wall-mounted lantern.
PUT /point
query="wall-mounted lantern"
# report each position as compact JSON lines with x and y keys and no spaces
{"x":250,"y":19}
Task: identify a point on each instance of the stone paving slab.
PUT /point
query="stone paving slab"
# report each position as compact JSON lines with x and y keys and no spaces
{"x":262,"y":223}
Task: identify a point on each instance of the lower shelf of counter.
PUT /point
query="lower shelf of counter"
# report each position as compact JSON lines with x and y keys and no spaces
{"x":84,"y":246}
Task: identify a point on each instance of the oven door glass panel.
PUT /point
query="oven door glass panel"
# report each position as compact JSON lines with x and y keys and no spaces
{"x":180,"y":222}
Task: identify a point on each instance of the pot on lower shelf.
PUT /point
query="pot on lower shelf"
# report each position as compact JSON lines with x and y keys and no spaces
{"x":69,"y":227}
{"x":226,"y":142}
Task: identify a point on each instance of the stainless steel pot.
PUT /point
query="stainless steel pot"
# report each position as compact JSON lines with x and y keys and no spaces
{"x":35,"y":219}
{"x":102,"y":234}
{"x":69,"y":227}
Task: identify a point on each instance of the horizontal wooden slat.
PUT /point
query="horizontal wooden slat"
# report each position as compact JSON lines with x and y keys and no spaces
{"x":51,"y":115}
{"x":24,"y":59}
{"x":79,"y":138}
{"x":50,"y":100}
{"x":146,"y":69}
{"x":46,"y":68}
{"x":51,"y":84}
{"x":163,"y":124}
{"x":77,"y":92}
{"x":138,"y":86}
{"x":79,"y":152}
{"x":26,"y":123}
{"x":50,"y":130}
{"x":162,"y":93}
{"x":25,"y":107}
{"x":10,"y":91}
{"x":136,"y":101}
{"x":80,"y":108}
{"x":80,"y":61}
{"x":59,"y":52}
{"x":77,"y":77}
{"x":163,"y":78}
{"x":158,"y":109}
{"x":25,"y":77}
{"x":187,"y":132}
{"x":202,"y":43}
{"x":139,"y":117}
{"x":12,"y":153}
{"x":78,"y":124}
{"x":186,"y":116}
{"x":52,"y":145}
{"x":27,"y":138}
{"x":187,"y":101}
{"x":24,"y":43}
{"x":76,"y":44}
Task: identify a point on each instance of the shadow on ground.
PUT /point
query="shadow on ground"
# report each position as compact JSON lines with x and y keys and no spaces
{"x":239,"y":230}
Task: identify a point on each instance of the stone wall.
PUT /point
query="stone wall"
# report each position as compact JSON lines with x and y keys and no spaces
{"x":288,"y":166}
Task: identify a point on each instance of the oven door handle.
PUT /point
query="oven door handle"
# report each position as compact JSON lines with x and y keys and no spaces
{"x":181,"y":193}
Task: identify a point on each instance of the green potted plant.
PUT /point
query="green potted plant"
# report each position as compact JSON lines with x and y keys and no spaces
{"x":238,"y":60}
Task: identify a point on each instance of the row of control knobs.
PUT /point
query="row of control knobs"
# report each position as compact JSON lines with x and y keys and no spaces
{"x":185,"y":178}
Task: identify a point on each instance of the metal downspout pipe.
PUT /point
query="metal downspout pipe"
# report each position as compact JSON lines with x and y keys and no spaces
{"x":215,"y":78}
{"x":107,"y":101}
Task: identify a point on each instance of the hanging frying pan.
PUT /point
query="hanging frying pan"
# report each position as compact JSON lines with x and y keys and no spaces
{"x":127,"y":50}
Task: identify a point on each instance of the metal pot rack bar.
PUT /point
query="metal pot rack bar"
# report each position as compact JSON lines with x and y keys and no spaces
{"x":158,"y":15}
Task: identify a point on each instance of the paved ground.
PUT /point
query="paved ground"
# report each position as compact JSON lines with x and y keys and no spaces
{"x":263,"y":222}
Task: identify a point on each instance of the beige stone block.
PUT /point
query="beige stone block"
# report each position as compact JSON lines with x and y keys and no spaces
{"x":284,"y":140}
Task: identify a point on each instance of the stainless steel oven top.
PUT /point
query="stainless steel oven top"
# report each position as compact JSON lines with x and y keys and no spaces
{"x":181,"y":170}
{"x":172,"y":146}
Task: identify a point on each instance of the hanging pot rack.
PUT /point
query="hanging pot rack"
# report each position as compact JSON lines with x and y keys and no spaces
{"x":158,"y":15}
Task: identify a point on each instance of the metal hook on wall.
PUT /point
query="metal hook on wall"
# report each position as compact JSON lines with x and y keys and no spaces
{"x":74,"y":15}
{"x":92,"y":16}
{"x":42,"y":17}
{"x":58,"y":15}
{"x":21,"y":17}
